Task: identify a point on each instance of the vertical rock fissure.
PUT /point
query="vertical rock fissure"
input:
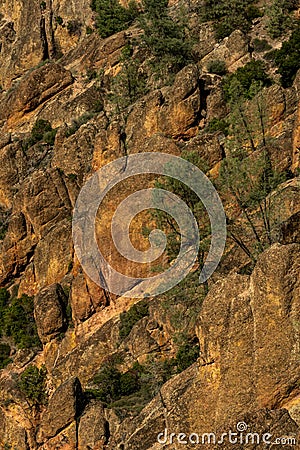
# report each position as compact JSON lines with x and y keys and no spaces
{"x":51,"y":31}
{"x":165,"y":412}
{"x":106,"y":432}
{"x":44,"y":38}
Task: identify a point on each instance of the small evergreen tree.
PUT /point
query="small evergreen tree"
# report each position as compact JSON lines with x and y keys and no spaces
{"x":32,"y":383}
{"x":246,"y":181}
{"x":130,"y":83}
{"x":288,"y":58}
{"x":280,"y":20}
{"x":240,"y":83}
{"x":4,"y":355}
{"x":165,"y":222}
{"x":112,"y":17}
{"x":165,"y":38}
{"x":17,"y":321}
{"x":230,"y":15}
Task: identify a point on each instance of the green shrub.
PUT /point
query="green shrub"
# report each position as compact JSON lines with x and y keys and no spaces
{"x":230,"y":15}
{"x":165,"y":38}
{"x":4,"y":298}
{"x":244,"y":78}
{"x":4,"y":355}
{"x":17,"y":321}
{"x":42,"y":131}
{"x":218,"y":125}
{"x":49,"y":137}
{"x":247,"y":182}
{"x":112,"y":17}
{"x":187,"y":354}
{"x":288,"y":58}
{"x":112,"y":384}
{"x":59,"y":20}
{"x":261,"y":45}
{"x":129,"y":383}
{"x":40,"y":127}
{"x":32,"y":383}
{"x":217,"y":66}
{"x":108,"y":384}
{"x":280,"y":20}
{"x":129,"y":318}
{"x":130,"y":391}
{"x":130,"y":83}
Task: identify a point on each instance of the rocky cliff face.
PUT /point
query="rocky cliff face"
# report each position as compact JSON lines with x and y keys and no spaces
{"x":247,"y":327}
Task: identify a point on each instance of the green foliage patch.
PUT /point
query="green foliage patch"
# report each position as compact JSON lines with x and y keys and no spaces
{"x":4,"y":355}
{"x":288,"y":58}
{"x":218,"y":125}
{"x":129,"y":318}
{"x":248,"y":181}
{"x":112,"y":17}
{"x":130,"y":83}
{"x":217,"y":66}
{"x":280,"y":20}
{"x":241,"y":82}
{"x":163,"y":36}
{"x":230,"y":15}
{"x":32,"y":383}
{"x":42,"y":131}
{"x":131,"y":390}
{"x":17,"y":320}
{"x":261,"y":45}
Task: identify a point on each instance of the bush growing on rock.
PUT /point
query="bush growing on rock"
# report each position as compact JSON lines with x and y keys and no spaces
{"x":42,"y":131}
{"x":32,"y":383}
{"x":187,"y":354}
{"x":217,"y":66}
{"x":240,"y":83}
{"x":230,"y":15}
{"x":130,"y":83}
{"x":165,"y":38}
{"x":4,"y":355}
{"x":112,"y":17}
{"x":133,"y":389}
{"x":248,"y":180}
{"x":261,"y":45}
{"x":17,"y":320}
{"x":218,"y":125}
{"x":129,"y":318}
{"x":280,"y":20}
{"x":288,"y":58}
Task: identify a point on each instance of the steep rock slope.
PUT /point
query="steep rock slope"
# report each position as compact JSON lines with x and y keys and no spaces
{"x":247,"y":328}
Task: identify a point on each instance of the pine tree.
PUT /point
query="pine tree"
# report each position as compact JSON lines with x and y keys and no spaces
{"x":112,"y":17}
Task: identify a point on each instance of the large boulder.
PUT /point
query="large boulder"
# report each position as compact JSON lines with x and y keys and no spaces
{"x":63,"y":408}
{"x":93,"y":429}
{"x":49,"y":306}
{"x":34,"y":89}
